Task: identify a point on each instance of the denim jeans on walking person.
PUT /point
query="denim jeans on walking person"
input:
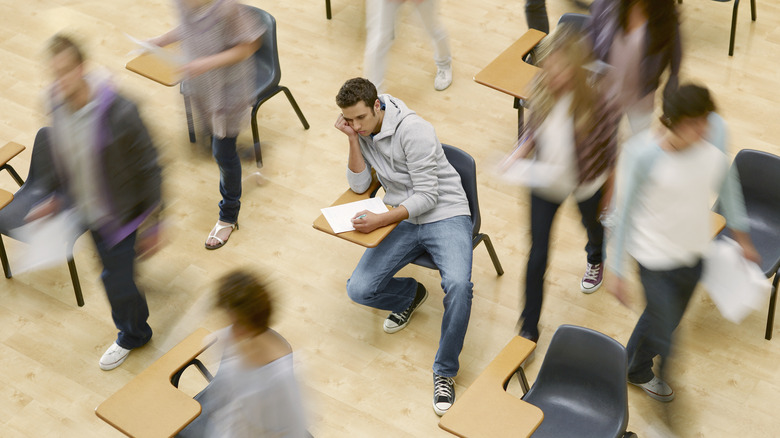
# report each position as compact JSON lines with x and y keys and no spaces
{"x":448,"y":241}
{"x":667,"y":294}
{"x":224,"y":151}
{"x":542,"y":215}
{"x":128,"y":305}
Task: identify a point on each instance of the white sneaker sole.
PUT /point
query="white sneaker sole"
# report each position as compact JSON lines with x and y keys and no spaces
{"x":589,"y":291}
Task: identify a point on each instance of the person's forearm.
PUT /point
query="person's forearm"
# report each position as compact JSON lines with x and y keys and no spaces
{"x":233,"y":55}
{"x":394,"y":215}
{"x":169,"y":37}
{"x":356,"y":163}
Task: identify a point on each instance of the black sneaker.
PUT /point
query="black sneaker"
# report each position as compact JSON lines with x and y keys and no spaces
{"x":443,"y":394}
{"x":397,"y":321}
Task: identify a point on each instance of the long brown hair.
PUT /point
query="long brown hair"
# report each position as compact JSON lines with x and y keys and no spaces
{"x":569,"y":41}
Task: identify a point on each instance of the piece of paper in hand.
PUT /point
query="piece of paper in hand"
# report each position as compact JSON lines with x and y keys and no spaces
{"x":736,"y":285}
{"x":168,"y":56}
{"x":339,"y":217}
{"x":531,"y":173}
{"x":49,"y":241}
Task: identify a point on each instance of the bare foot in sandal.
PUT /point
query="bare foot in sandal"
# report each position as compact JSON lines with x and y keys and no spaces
{"x":220,"y":234}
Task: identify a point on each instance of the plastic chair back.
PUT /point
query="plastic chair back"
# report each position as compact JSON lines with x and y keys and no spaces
{"x":581,"y":386}
{"x":268,"y":69}
{"x":466,"y":167}
{"x":35,"y":188}
{"x":580,"y":21}
{"x":759,"y":175}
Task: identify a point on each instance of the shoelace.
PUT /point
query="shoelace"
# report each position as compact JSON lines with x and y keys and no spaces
{"x":592,"y":273}
{"x":443,"y":386}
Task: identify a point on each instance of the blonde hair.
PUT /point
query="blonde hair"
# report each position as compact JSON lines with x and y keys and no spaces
{"x":576,"y":49}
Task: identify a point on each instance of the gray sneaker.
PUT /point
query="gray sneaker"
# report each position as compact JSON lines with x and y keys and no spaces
{"x":397,"y":321}
{"x":443,"y":394}
{"x":657,"y":389}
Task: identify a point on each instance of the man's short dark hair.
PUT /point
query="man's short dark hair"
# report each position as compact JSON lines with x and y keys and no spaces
{"x":356,"y":90}
{"x":60,"y":43}
{"x":689,"y":101}
{"x":246,"y":298}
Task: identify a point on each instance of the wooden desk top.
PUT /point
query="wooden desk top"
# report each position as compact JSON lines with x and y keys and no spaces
{"x":5,"y":198}
{"x":10,"y":150}
{"x":718,"y":223}
{"x":369,"y":240}
{"x":155,"y":68}
{"x":486,"y":409}
{"x":508,"y":73}
{"x":149,"y":405}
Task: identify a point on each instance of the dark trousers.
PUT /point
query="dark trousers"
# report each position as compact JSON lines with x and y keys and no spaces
{"x":536,"y":15}
{"x":224,"y":151}
{"x":128,"y":305}
{"x":542,"y":215}
{"x":667,"y":294}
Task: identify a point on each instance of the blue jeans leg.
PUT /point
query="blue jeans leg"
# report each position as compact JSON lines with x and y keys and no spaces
{"x":224,"y":151}
{"x":128,"y":306}
{"x":542,"y":215}
{"x":372,"y":283}
{"x":667,"y":294}
{"x":449,"y":243}
{"x":590,"y":220}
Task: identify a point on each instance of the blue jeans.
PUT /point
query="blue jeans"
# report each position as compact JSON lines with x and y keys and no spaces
{"x":448,"y":242}
{"x":128,"y":305}
{"x":667,"y":294}
{"x":224,"y":151}
{"x":542,"y":215}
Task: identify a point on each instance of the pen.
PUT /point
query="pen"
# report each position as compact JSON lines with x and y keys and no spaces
{"x":361,"y":216}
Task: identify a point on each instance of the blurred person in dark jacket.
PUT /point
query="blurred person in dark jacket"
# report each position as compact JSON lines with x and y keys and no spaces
{"x":106,"y":170}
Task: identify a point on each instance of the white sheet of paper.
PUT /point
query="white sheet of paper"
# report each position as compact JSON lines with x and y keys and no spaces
{"x":736,"y":286}
{"x":166,"y":55}
{"x":339,"y":217}
{"x":49,"y":242}
{"x":531,"y":173}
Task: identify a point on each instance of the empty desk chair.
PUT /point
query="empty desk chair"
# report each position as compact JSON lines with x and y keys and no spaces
{"x":581,"y":386}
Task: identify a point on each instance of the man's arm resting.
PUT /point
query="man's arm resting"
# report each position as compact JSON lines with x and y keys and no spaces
{"x":371,"y":221}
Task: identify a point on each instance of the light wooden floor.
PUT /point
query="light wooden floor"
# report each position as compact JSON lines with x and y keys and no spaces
{"x":358,"y":381}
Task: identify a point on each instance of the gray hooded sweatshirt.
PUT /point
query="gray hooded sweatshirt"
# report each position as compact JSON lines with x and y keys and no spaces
{"x":411,"y":166}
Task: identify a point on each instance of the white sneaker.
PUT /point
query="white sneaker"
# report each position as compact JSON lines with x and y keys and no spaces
{"x":113,"y":357}
{"x":443,"y":78}
{"x":657,"y":389}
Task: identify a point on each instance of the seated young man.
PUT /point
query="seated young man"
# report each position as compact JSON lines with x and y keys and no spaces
{"x":434,"y":217}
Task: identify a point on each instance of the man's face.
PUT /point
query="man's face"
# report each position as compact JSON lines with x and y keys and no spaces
{"x":68,"y":73}
{"x":361,"y":118}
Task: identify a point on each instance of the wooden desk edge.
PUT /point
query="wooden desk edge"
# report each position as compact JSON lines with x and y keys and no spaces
{"x":10,"y":150}
{"x":488,"y":387}
{"x":181,"y":354}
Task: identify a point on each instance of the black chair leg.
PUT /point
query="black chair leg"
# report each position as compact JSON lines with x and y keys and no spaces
{"x":190,"y":123}
{"x":202,"y":368}
{"x":327,"y":9}
{"x":753,"y":9}
{"x":256,"y":138}
{"x":733,"y":27}
{"x":491,"y":251}
{"x":493,"y":255}
{"x":770,"y":319}
{"x":520,"y":373}
{"x":74,"y":276}
{"x":518,"y":104}
{"x":295,"y":107}
{"x":4,"y":259}
{"x":13,"y":173}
